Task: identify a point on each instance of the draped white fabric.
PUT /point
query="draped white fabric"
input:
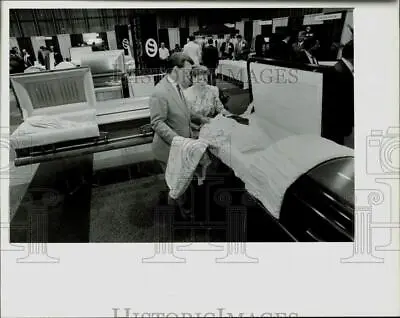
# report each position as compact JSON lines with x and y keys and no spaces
{"x":37,"y":42}
{"x":112,"y":40}
{"x":240,"y":27}
{"x":13,"y":42}
{"x":279,"y":22}
{"x":256,"y":28}
{"x":174,"y":37}
{"x":64,"y":41}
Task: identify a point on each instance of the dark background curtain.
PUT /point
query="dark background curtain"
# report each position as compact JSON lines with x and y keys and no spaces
{"x":103,"y":36}
{"x":55,"y":43}
{"x":248,"y":31}
{"x":183,"y":34}
{"x":266,"y":30}
{"x":327,"y":33}
{"x":295,"y":24}
{"x":26,"y":43}
{"x":76,"y":40}
{"x":163,"y":37}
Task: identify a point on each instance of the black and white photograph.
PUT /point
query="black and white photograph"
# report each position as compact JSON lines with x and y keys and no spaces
{"x":161,"y":139}
{"x":160,"y":125}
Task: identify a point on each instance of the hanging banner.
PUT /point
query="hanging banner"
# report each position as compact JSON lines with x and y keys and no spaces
{"x":149,"y":42}
{"x":324,"y":17}
{"x":122,"y":36}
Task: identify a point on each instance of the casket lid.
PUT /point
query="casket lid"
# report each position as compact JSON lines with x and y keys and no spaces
{"x":287,"y":97}
{"x":104,"y":62}
{"x":54,"y":92}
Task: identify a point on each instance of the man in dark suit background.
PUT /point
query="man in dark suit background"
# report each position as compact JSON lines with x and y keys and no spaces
{"x":227,"y":48}
{"x":17,"y":64}
{"x":281,"y":48}
{"x":210,"y":59}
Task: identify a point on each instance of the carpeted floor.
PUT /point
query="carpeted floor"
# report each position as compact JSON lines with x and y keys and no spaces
{"x":123,"y":212}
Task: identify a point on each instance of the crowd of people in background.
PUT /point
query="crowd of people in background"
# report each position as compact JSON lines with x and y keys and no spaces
{"x":303,"y":47}
{"x":207,"y":52}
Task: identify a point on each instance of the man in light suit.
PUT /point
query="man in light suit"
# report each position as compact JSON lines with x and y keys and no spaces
{"x":169,"y":113}
{"x":193,"y":50}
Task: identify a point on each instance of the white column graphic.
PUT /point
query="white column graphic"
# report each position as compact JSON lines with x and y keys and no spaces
{"x":199,"y":247}
{"x":164,"y":248}
{"x":394,"y":223}
{"x":236,"y":246}
{"x":38,"y":226}
{"x":363,"y":245}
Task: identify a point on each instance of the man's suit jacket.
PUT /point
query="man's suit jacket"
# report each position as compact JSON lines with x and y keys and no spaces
{"x":210,"y":57}
{"x":230,"y":50}
{"x":170,"y":117}
{"x":241,"y":50}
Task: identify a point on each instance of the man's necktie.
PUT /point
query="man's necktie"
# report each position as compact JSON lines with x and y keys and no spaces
{"x":180,"y":92}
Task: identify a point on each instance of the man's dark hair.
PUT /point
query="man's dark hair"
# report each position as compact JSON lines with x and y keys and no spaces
{"x":12,"y":51}
{"x":178,"y":59}
{"x":239,"y":36}
{"x":210,"y":41}
{"x":191,"y":38}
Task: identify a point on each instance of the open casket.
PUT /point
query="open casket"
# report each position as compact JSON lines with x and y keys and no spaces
{"x":292,"y":100}
{"x":57,"y":107}
{"x":287,"y":158}
{"x":63,"y":119}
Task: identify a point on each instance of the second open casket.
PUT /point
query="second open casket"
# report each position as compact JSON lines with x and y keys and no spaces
{"x":57,"y":107}
{"x":286,"y":158}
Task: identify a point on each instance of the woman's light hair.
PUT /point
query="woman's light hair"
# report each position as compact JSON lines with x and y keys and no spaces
{"x":199,"y":70}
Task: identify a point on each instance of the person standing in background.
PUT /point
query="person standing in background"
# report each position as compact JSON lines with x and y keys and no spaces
{"x":227,"y":48}
{"x":193,"y":50}
{"x":177,"y":48}
{"x":241,"y":49}
{"x":17,"y":64}
{"x":28,"y":60}
{"x":163,"y":54}
{"x":298,"y":46}
{"x":210,"y":60}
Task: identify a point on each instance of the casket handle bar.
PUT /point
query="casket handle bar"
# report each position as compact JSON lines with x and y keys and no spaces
{"x":105,"y":144}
